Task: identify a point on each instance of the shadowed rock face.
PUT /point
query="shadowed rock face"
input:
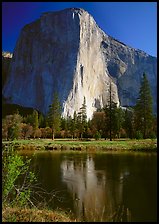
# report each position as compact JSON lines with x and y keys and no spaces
{"x":67,"y":52}
{"x":6,"y":60}
{"x":127,"y":65}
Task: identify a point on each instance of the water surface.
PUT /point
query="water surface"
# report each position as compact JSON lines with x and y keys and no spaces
{"x":100,"y":187}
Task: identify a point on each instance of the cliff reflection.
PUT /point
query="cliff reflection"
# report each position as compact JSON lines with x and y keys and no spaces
{"x":99,"y":187}
{"x":96,"y":195}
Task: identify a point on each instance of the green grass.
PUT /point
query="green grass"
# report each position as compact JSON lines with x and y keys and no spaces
{"x":81,"y":145}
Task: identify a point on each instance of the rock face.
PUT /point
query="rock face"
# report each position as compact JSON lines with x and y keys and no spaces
{"x":67,"y":52}
{"x":6,"y":59}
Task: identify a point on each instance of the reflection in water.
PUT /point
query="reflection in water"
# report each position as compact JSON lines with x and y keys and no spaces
{"x":101,"y":187}
{"x":91,"y":191}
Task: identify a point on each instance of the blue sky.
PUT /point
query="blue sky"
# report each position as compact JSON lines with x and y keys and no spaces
{"x":134,"y":23}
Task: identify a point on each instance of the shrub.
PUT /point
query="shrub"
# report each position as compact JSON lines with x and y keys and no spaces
{"x":138,"y":135}
{"x":97,"y":135}
{"x":152,"y":135}
{"x":11,"y":126}
{"x":16,"y":192}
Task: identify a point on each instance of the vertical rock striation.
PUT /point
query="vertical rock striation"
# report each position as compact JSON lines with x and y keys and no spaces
{"x":67,"y":52}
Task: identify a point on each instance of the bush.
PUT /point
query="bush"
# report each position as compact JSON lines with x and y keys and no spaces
{"x":97,"y":135}
{"x":11,"y":126}
{"x":16,"y":192}
{"x":138,"y":135}
{"x":152,"y":135}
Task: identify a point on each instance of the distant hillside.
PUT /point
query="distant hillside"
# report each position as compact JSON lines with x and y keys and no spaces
{"x":8,"y":109}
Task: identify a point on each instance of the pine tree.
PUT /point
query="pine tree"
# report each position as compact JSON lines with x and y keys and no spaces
{"x":143,"y":109}
{"x":54,"y":115}
{"x":110,"y":111}
{"x":35,"y":121}
{"x":128,"y":122}
{"x":41,"y":121}
{"x":73,"y":124}
{"x":82,"y":118}
{"x":84,"y":111}
{"x":118,"y":121}
{"x":110,"y":114}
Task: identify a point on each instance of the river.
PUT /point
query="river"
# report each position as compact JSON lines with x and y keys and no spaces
{"x":98,"y":187}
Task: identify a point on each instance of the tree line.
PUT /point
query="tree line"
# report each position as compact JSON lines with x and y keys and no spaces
{"x":110,"y":122}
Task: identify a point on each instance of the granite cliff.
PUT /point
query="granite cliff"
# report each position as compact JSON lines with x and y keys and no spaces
{"x":6,"y":60}
{"x":66,"y":51}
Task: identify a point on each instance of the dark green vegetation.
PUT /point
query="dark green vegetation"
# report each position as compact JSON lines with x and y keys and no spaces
{"x":143,"y":110}
{"x":8,"y":109}
{"x":54,"y":113}
{"x":14,"y":167}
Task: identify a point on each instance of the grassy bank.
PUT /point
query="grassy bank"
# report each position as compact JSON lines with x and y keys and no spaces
{"x":15,"y":214}
{"x":122,"y":145}
{"x":34,"y":215}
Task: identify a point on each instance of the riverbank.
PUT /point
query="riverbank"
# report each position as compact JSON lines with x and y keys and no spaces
{"x":42,"y":214}
{"x":34,"y":215}
{"x":90,"y":145}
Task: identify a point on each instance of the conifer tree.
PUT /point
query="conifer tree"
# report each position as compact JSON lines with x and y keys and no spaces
{"x":41,"y":121}
{"x":118,"y":121}
{"x":73,"y":125}
{"x":54,"y":115}
{"x":82,"y":118}
{"x":128,"y":122}
{"x":35,"y":121}
{"x":84,"y":111}
{"x":110,"y":114}
{"x":143,"y":109}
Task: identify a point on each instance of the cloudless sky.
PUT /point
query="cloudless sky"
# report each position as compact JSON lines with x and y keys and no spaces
{"x":134,"y":23}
